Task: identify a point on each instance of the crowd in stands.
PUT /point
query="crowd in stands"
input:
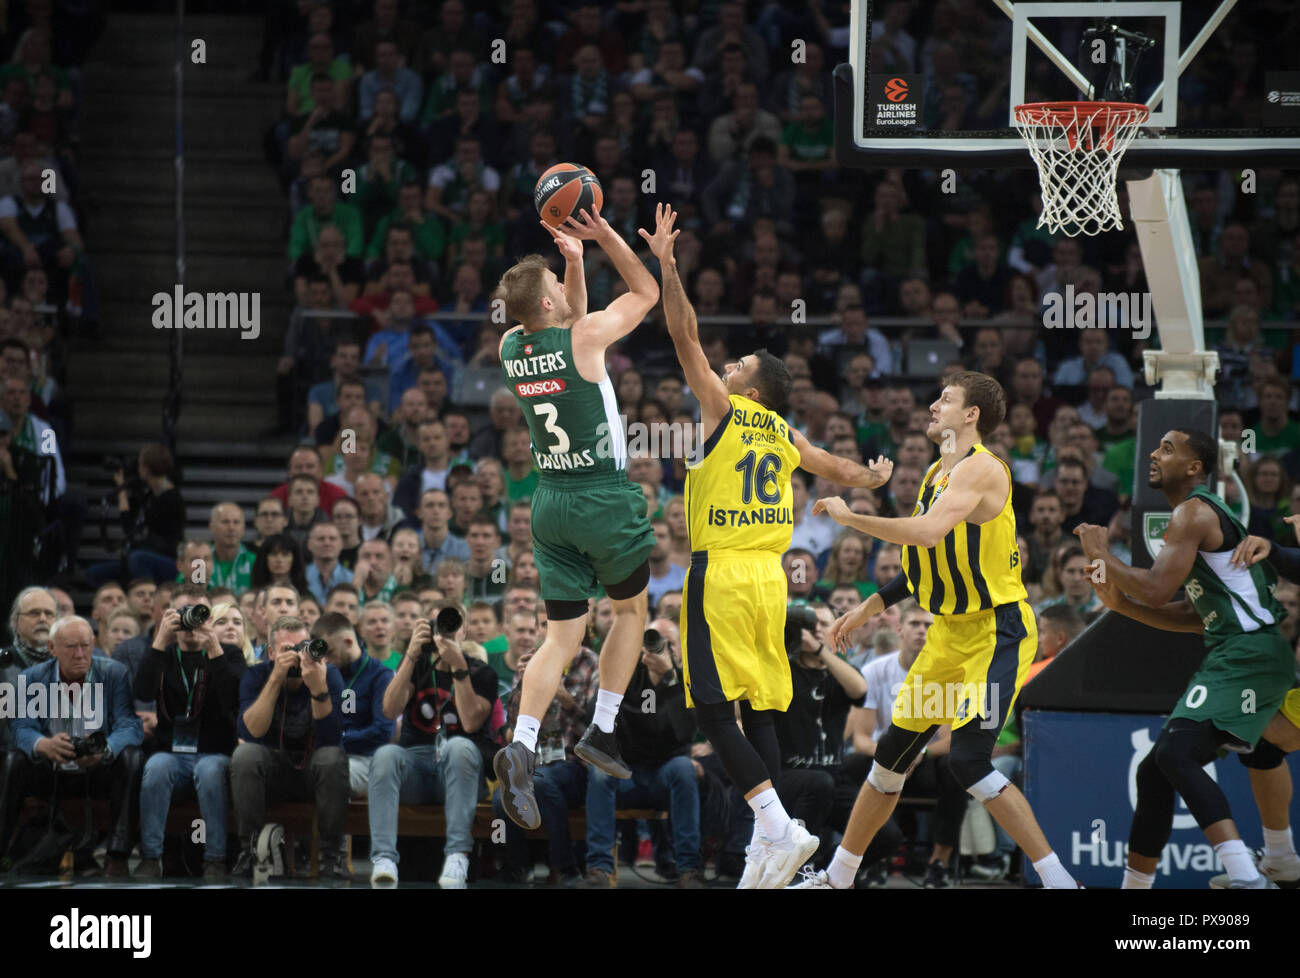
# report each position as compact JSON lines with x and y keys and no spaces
{"x":408,"y":153}
{"x":47,"y":295}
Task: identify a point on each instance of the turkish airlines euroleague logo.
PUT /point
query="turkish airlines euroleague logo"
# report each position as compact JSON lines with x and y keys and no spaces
{"x":536,"y":388}
{"x":896,"y":89}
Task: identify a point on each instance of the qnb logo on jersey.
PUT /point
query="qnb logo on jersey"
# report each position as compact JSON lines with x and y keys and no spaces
{"x":543,"y":363}
{"x":536,"y":388}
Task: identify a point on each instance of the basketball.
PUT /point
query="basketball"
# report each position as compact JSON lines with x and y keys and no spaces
{"x":564,"y":191}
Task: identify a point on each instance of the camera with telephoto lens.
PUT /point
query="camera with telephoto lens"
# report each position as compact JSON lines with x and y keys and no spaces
{"x":194,"y":616}
{"x":316,"y":648}
{"x":798,"y":619}
{"x":91,"y":745}
{"x":652,"y":642}
{"x":446,"y":623}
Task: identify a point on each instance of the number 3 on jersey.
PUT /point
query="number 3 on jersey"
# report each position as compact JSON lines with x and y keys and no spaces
{"x":549,"y":413}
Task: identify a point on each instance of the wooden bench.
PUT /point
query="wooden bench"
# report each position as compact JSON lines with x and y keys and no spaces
{"x":299,"y":820}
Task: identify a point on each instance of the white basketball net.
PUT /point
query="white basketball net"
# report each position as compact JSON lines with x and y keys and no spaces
{"x":1078,"y":147}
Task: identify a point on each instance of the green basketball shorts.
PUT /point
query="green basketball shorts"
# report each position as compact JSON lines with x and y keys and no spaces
{"x":1241,"y":684}
{"x":588,"y":530}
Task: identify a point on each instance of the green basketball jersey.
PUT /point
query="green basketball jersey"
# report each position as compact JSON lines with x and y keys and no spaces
{"x":574,"y":423}
{"x":1230,"y":600}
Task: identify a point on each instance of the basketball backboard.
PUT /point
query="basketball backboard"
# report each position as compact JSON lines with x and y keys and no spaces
{"x":935,"y":84}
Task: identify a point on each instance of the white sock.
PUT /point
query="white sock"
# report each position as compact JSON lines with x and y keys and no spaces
{"x":1133,"y":880}
{"x":1277,"y":842}
{"x":1237,"y":860}
{"x":770,"y":818}
{"x":526,"y":729}
{"x":1053,"y":874}
{"x":843,"y":869}
{"x":607,"y":704}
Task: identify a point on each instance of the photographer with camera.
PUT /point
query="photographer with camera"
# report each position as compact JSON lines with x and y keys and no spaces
{"x":560,"y":780}
{"x":194,"y":680}
{"x":291,"y":726}
{"x":152,"y":513}
{"x":365,"y":728}
{"x":91,"y":738}
{"x":655,"y":730}
{"x":446,"y":745}
{"x":811,"y":730}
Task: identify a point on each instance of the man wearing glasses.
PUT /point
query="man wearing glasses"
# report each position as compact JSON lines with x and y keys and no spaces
{"x":30,"y":618}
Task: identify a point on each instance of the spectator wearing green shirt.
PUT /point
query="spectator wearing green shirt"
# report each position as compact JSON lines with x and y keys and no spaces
{"x":480,"y":219}
{"x":299,"y":99}
{"x":520,"y":472}
{"x":324,"y":208}
{"x":892,"y":242}
{"x":1069,"y":582}
{"x":31,"y":60}
{"x":847,"y":564}
{"x":521,"y":634}
{"x":377,"y":629}
{"x":232,"y":562}
{"x":1275,"y":434}
{"x":378,"y":181}
{"x":428,"y":233}
{"x":483,"y":625}
{"x":407,"y":610}
{"x":807,"y":146}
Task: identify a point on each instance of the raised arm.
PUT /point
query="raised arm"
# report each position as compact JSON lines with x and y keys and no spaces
{"x":623,"y":314}
{"x":840,"y":470}
{"x":683,"y":327}
{"x":968,"y":484}
{"x":1189,"y":525}
{"x":575,"y":275}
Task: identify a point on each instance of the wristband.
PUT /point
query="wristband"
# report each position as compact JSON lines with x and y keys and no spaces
{"x":895,"y":591}
{"x":322,"y":696}
{"x":459,"y":673}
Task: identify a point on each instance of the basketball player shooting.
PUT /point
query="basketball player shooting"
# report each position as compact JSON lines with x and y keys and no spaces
{"x":960,"y":561}
{"x":589,"y":522}
{"x":740,"y":518}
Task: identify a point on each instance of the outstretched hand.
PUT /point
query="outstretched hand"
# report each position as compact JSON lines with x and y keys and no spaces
{"x":881,"y":469}
{"x":592,"y":227}
{"x":1251,"y":551}
{"x":833,"y":506}
{"x":570,"y":247}
{"x":661,"y":242}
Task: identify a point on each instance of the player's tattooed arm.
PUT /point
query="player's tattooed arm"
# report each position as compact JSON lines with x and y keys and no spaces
{"x":1189,"y":526}
{"x":840,"y":470}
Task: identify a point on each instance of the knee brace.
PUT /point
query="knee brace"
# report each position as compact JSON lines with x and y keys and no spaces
{"x":988,"y":787}
{"x":971,"y":764}
{"x":885,"y":781}
{"x":898,"y":748}
{"x":1265,"y":757}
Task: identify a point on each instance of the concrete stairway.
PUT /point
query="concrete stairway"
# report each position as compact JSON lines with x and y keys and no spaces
{"x":236,"y":225}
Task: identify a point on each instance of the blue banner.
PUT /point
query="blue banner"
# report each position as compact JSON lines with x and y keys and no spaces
{"x":1080,"y":779}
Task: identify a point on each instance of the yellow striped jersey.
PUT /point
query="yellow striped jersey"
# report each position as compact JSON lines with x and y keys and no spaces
{"x":738,"y":483}
{"x":974,"y":567}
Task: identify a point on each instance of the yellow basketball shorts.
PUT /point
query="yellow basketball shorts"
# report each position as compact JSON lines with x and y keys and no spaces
{"x":1291,"y":707}
{"x":733,"y":630}
{"x":971,"y":666}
